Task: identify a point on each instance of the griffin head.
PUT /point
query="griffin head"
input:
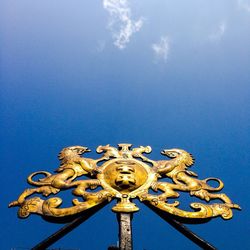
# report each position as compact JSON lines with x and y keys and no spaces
{"x":179,"y":155}
{"x":72,"y":152}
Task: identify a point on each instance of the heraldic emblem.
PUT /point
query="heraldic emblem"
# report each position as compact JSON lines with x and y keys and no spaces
{"x":124,"y":174}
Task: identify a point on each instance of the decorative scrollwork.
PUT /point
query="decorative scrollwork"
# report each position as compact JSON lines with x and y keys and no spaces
{"x":124,"y":174}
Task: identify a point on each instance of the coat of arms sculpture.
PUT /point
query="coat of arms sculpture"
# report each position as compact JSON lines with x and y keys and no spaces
{"x":123,"y":174}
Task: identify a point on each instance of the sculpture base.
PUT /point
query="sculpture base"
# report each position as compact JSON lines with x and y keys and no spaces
{"x":125,"y":207}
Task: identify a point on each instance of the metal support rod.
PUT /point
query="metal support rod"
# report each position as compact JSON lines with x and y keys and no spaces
{"x":184,"y":230}
{"x":191,"y":235}
{"x":125,"y":231}
{"x":66,"y":229}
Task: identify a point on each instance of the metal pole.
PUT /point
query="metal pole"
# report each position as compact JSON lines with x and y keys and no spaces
{"x":191,"y":235}
{"x":183,"y":229}
{"x":125,"y":231}
{"x":67,"y":228}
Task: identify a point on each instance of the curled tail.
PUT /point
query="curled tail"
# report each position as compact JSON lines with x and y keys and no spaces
{"x":210,"y":188}
{"x":41,"y":181}
{"x":203,"y":184}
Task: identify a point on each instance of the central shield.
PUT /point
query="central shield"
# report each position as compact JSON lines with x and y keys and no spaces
{"x":126,"y":179}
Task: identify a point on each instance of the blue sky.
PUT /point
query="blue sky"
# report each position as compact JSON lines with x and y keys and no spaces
{"x":160,"y":73}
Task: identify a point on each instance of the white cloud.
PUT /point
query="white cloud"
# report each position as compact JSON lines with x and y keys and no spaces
{"x":161,"y":49}
{"x":121,"y":24}
{"x":218,"y":33}
{"x":244,"y":4}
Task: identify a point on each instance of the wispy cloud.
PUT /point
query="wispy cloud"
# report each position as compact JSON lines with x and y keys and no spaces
{"x":161,"y":49}
{"x":121,"y":24}
{"x":244,"y":4}
{"x":218,"y":33}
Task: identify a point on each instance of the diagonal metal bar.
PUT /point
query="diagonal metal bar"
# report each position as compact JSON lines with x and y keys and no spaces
{"x":67,"y":228}
{"x":183,"y":229}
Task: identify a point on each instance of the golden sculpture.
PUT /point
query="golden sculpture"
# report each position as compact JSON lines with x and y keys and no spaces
{"x":123,"y":174}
